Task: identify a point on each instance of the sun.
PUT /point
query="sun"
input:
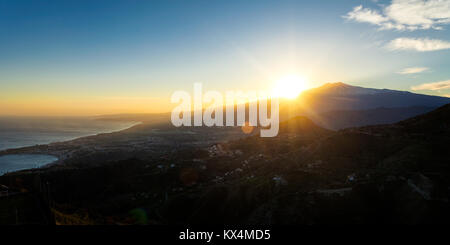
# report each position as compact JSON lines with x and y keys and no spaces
{"x":289,"y":86}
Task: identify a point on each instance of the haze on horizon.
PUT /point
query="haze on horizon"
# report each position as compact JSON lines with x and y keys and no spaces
{"x":110,"y":57}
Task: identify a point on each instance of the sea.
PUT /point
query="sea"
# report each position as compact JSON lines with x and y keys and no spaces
{"x":18,"y":132}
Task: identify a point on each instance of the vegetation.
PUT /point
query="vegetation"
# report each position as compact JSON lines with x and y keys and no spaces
{"x":396,"y":173}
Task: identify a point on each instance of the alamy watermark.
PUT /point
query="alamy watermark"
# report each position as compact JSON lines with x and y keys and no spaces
{"x":214,"y":103}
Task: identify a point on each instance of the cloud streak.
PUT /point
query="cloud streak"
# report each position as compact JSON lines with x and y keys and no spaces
{"x":417,"y":44}
{"x":405,"y":15}
{"x":432,"y":86}
{"x":361,"y":14}
{"x":412,"y":70}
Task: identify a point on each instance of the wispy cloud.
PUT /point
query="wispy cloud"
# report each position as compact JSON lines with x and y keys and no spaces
{"x":417,"y":44}
{"x":432,"y":86}
{"x":361,"y":14}
{"x":405,"y":15}
{"x":412,"y":70}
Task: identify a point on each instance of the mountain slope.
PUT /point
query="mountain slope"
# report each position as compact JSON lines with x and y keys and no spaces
{"x":335,"y":106}
{"x":303,"y":126}
{"x":397,"y":173}
{"x":338,"y":105}
{"x":436,"y":122}
{"x":357,"y":118}
{"x":340,"y":96}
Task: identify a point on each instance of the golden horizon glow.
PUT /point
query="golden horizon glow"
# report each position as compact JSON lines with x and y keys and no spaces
{"x":82,"y":106}
{"x":289,"y":86}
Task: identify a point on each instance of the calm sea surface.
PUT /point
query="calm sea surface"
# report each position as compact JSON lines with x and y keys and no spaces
{"x":28,"y":131}
{"x":14,"y":162}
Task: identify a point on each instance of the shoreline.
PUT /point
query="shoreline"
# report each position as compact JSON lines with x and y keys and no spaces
{"x":60,"y":156}
{"x":5,"y":151}
{"x":32,"y":166}
{"x":144,"y":140}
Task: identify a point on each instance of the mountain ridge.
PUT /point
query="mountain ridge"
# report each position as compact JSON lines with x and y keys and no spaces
{"x":339,"y":105}
{"x":336,"y":106}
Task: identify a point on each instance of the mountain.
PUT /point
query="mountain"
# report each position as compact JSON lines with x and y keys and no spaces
{"x":302,"y":125}
{"x":382,"y":174}
{"x":397,"y":173}
{"x":342,"y":89}
{"x":340,"y":96}
{"x":356,"y":118}
{"x":334,"y":106}
{"x":339,"y":105}
{"x":436,"y":122}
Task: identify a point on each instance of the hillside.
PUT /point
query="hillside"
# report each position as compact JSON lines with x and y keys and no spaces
{"x":356,"y":118}
{"x":334,"y":106}
{"x":339,"y":105}
{"x":397,"y":173}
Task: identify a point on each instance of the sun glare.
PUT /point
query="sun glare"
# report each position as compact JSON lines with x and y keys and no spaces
{"x":289,"y":86}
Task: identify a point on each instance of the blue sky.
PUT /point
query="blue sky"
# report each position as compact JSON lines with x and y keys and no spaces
{"x":61,"y":52}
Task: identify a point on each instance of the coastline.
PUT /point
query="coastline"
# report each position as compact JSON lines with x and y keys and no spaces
{"x":45,"y":149}
{"x":133,"y":124}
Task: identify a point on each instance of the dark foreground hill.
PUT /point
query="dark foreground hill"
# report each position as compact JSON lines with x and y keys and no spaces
{"x":397,"y":173}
